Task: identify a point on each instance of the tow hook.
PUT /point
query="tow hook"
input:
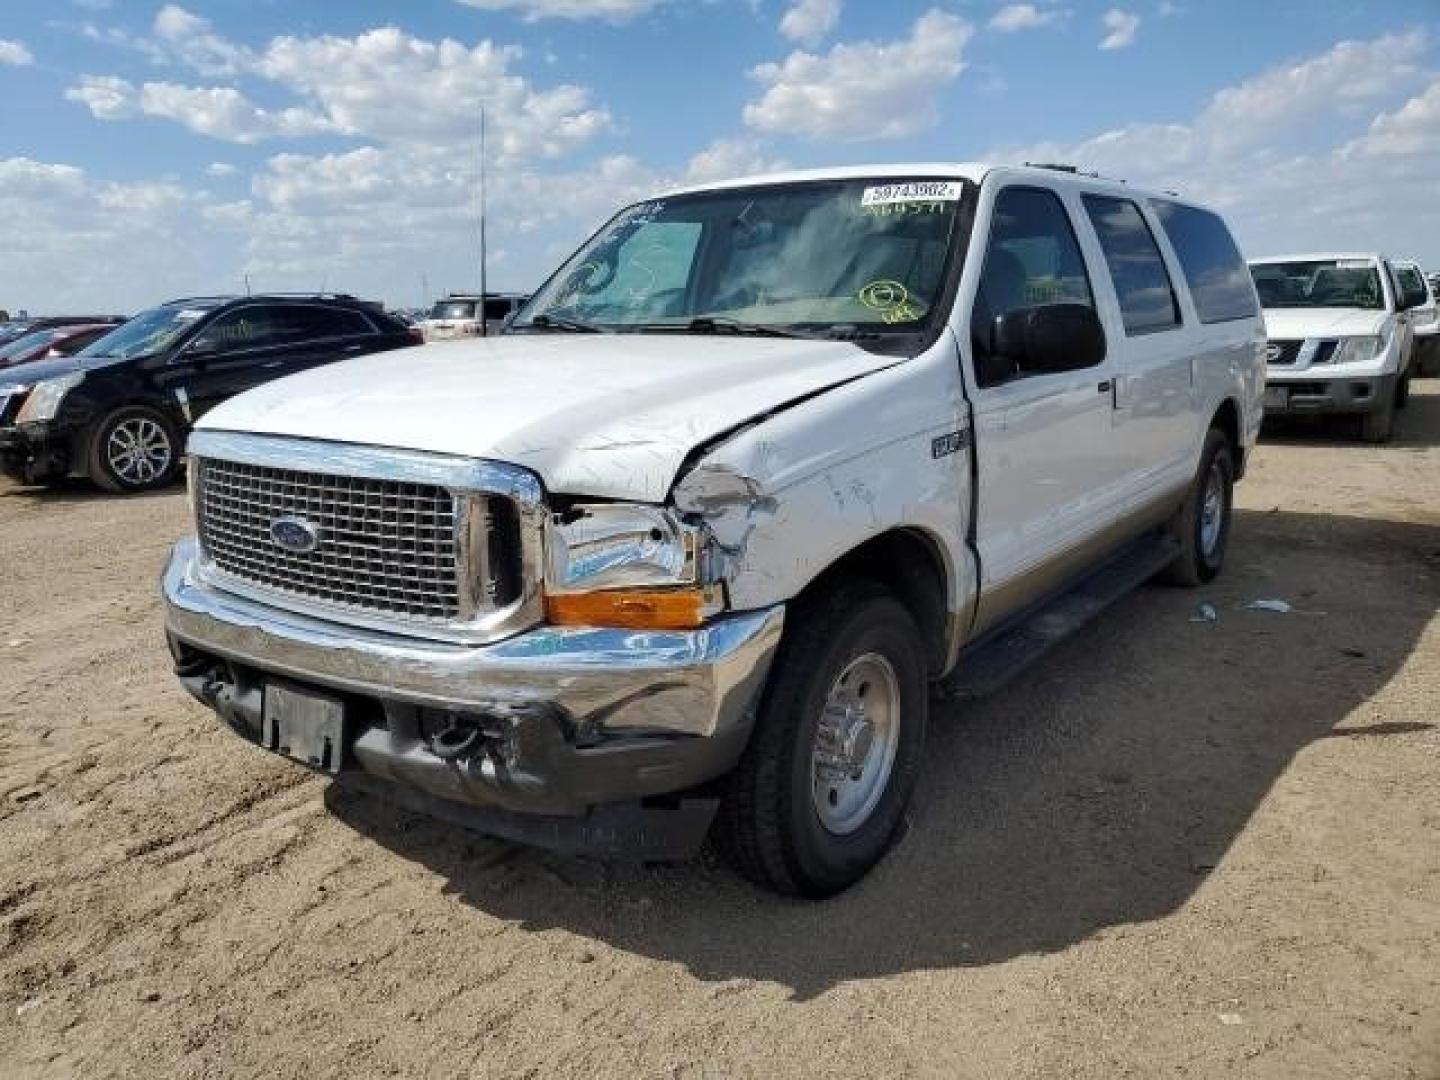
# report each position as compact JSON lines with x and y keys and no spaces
{"x":458,"y":739}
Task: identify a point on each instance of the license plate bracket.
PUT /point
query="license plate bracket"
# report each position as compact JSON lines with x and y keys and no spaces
{"x":305,"y":725}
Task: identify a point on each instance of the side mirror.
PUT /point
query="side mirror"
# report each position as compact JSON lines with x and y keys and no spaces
{"x":1049,"y":338}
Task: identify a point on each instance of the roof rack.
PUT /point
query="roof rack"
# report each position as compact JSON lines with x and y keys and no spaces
{"x":1073,"y":170}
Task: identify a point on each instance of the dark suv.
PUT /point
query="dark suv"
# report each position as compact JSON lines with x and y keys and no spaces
{"x":117,"y":411}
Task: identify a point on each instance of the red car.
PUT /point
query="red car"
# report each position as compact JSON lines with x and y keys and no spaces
{"x":51,"y":342}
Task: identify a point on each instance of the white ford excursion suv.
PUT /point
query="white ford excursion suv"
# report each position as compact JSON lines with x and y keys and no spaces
{"x":1340,"y":342}
{"x":757,"y":466}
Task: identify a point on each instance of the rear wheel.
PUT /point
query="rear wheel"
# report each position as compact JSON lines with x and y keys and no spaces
{"x":817,"y":798}
{"x":1202,"y":524}
{"x":134,"y":449}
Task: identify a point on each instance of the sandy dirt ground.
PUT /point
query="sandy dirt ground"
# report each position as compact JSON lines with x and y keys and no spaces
{"x":1174,"y":849}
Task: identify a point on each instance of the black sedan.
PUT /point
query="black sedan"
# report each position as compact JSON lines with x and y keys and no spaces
{"x":118,"y":410}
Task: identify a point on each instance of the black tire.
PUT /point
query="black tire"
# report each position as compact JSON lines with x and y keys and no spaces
{"x":1378,"y":425}
{"x":106,"y":465}
{"x":1202,"y":552}
{"x":769,"y":827}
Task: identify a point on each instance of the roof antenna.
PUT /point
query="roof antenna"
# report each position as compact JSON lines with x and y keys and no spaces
{"x":484,"y":283}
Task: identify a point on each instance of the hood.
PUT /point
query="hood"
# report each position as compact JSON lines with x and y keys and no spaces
{"x":31,"y":372}
{"x":1288,"y":323}
{"x":610,"y":415}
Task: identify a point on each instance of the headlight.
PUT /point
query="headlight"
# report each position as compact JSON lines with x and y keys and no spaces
{"x":46,"y":396}
{"x":628,"y":566}
{"x":1356,"y":350}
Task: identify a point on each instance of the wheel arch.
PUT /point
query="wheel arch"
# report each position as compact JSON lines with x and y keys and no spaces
{"x":910,"y":563}
{"x":1226,"y":419}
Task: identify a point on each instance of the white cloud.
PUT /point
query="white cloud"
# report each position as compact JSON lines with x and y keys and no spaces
{"x":863,"y":90}
{"x":809,"y":21}
{"x":1413,"y":129}
{"x":106,"y":96}
{"x":382,"y":84}
{"x":726,"y":159}
{"x":220,"y":169}
{"x":222,"y":112}
{"x":532,"y":10}
{"x":1290,"y":154}
{"x":190,"y":40}
{"x":1016,"y":17}
{"x":389,"y":85}
{"x":15,"y":54}
{"x":1120,"y":29}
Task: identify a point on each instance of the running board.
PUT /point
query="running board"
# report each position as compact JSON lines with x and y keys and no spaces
{"x":999,"y":656}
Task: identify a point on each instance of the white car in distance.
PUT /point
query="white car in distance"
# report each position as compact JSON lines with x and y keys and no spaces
{"x":1339,"y":341}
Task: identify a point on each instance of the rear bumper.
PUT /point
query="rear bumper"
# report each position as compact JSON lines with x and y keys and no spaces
{"x":1327,"y":396}
{"x":573,"y":720}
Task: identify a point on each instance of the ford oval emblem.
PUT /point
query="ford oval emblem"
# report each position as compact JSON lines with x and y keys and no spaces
{"x":294,"y":534}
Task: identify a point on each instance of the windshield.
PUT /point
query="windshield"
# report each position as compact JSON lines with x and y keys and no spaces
{"x":453,"y":309}
{"x":148,"y":333}
{"x":12,"y":330}
{"x":822,"y":257}
{"x":1319,"y":283}
{"x":25,"y":344}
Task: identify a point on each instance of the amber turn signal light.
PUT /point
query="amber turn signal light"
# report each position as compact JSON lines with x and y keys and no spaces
{"x":629,"y":609}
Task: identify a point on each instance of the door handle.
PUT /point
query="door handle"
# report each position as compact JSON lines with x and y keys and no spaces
{"x":353,"y":348}
{"x":273,"y":364}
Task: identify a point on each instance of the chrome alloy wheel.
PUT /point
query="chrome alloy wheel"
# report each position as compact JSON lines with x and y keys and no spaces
{"x":855,"y":743}
{"x":1212,"y":509}
{"x":138,"y":451}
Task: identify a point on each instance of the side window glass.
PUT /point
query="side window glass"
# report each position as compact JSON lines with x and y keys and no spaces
{"x":1218,"y":277}
{"x":247,"y":328}
{"x":1032,"y":260}
{"x":1147,"y":297}
{"x":349,"y":323}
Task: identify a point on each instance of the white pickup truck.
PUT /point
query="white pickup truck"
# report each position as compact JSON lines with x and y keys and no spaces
{"x":686,"y":549}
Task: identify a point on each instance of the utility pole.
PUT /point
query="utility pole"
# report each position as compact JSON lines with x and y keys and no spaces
{"x":484,"y":283}
{"x":247,"y":284}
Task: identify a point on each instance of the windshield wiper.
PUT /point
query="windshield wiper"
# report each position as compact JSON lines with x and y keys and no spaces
{"x":722,"y":324}
{"x":545,"y":321}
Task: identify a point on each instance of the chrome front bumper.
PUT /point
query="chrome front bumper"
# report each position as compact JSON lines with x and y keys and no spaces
{"x":678,"y":705}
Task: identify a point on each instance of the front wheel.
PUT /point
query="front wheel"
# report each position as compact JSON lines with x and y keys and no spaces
{"x":1202,"y":524}
{"x":819,"y":793}
{"x":134,"y":449}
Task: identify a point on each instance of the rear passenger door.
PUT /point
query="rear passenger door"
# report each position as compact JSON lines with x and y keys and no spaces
{"x":1153,"y":384}
{"x":1049,"y":478}
{"x":308,"y":335}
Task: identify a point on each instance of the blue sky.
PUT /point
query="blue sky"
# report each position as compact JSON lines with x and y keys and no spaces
{"x":150,"y":149}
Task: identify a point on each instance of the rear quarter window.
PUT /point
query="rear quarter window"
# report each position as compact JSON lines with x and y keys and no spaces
{"x":1219,"y":280}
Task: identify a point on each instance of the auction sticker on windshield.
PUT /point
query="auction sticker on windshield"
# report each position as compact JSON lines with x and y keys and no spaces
{"x":917,"y":192}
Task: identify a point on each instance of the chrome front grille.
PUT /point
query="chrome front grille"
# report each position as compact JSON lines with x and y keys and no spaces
{"x":384,"y":546}
{"x":422,"y":544}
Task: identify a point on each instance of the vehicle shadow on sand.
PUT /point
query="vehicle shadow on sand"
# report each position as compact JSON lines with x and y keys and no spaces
{"x":1099,"y":790}
{"x":1417,"y":426}
{"x":76,"y":490}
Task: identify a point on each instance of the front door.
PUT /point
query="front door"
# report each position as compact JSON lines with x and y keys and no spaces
{"x":1050,"y":478}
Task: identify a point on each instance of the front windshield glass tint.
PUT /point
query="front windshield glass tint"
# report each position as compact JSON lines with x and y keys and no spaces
{"x":862,"y":253}
{"x":148,"y":333}
{"x":453,"y":309}
{"x":27,"y":343}
{"x":1319,"y":283}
